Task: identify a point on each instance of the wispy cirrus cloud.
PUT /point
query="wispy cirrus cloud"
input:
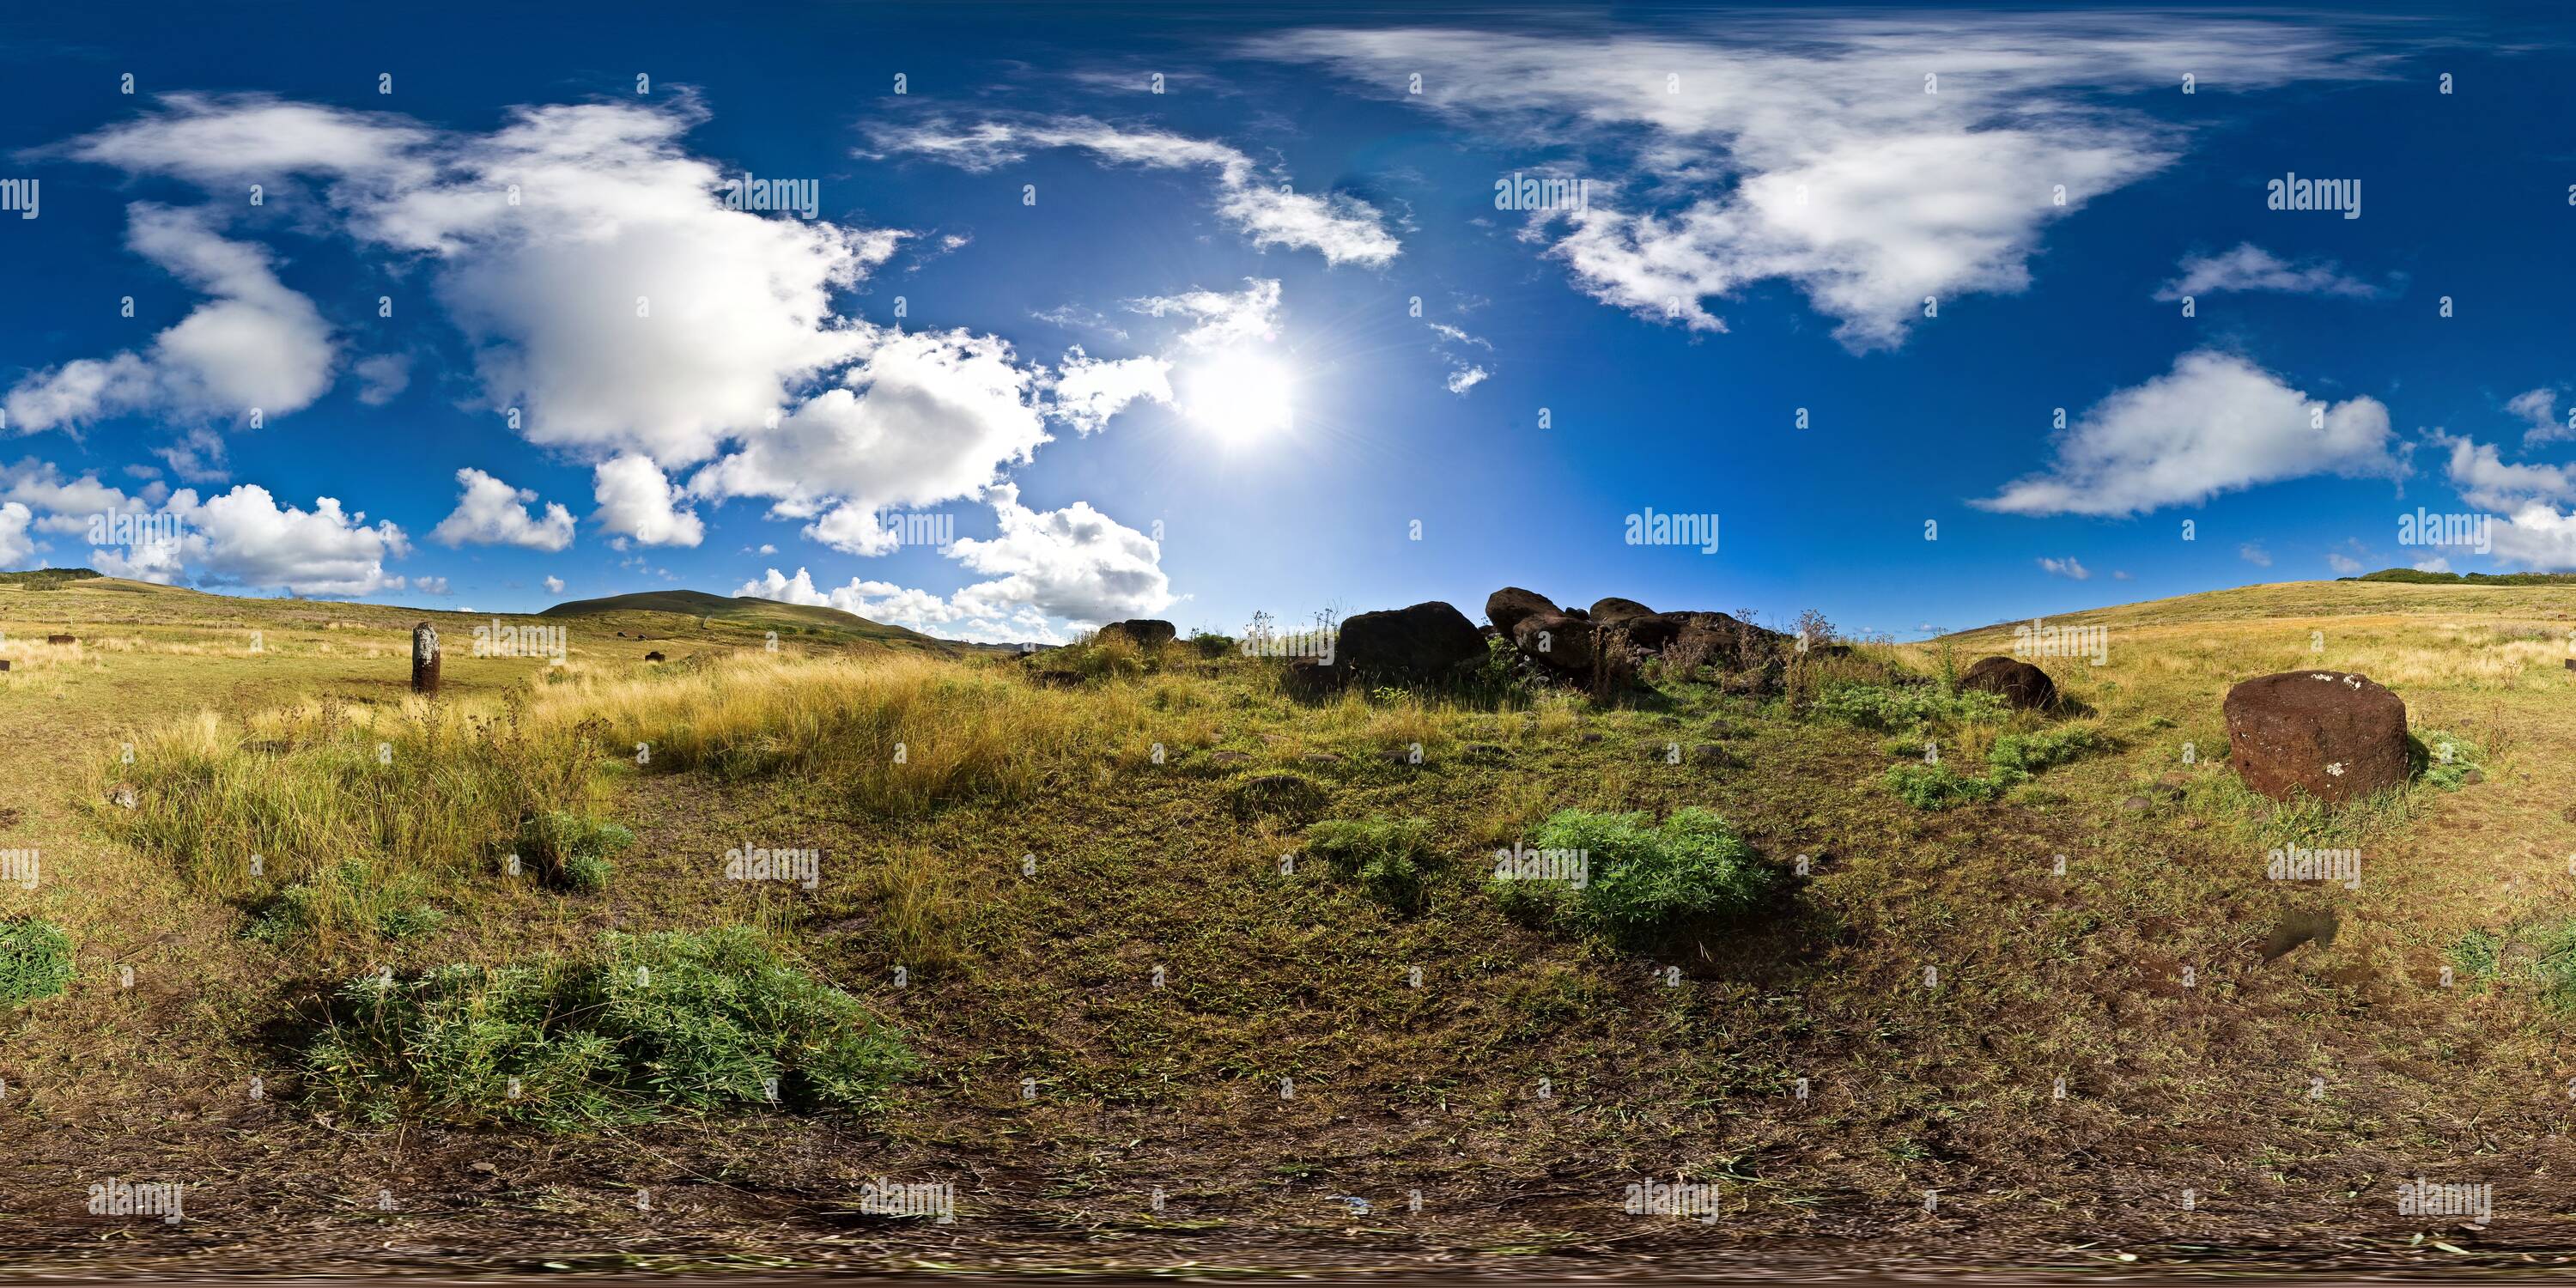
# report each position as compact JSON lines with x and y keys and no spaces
{"x":1262,"y":206}
{"x":2249,"y":267}
{"x":1870,"y":161}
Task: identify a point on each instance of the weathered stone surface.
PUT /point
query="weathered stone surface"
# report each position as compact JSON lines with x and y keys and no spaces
{"x":1423,"y":642}
{"x":1556,"y":640}
{"x":1615,"y":609}
{"x":1506,"y":607}
{"x":424,"y":659}
{"x":2020,"y":684}
{"x":2332,"y":734}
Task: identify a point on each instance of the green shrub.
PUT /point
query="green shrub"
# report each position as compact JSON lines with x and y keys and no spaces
{"x":1211,"y":645}
{"x":2443,"y":760}
{"x":348,"y":896}
{"x":1646,"y":878}
{"x":35,"y":961}
{"x":636,"y":1029}
{"x":1390,"y":859}
{"x":570,"y":851}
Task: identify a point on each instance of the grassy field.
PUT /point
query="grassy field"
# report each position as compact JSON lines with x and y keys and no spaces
{"x":1154,"y":966}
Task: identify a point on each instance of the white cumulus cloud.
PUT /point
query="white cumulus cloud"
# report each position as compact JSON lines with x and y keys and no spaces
{"x":493,"y":513}
{"x":2215,"y":423}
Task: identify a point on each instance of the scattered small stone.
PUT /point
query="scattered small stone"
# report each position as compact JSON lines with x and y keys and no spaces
{"x":1230,"y":757}
{"x":2136,"y":803}
{"x":1589,"y":737}
{"x":1713,"y":756}
{"x":654,"y":656}
{"x":1487,"y":750}
{"x":2473,"y":776}
{"x":1320,"y":758}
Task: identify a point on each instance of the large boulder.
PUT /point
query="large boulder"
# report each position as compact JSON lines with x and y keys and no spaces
{"x":1145,"y":632}
{"x":2332,"y":734}
{"x":2021,"y":684}
{"x":1615,"y":609}
{"x":1423,"y":642}
{"x":1559,"y":641}
{"x":1506,"y":607}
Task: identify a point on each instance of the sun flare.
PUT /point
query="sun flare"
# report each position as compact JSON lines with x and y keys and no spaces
{"x":1238,"y":396}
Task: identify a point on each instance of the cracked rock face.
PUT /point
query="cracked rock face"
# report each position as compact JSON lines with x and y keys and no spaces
{"x":2332,"y":734}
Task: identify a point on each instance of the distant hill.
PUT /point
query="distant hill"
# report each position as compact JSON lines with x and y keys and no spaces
{"x":750,"y":612}
{"x":2416,"y":577}
{"x":46,"y":578}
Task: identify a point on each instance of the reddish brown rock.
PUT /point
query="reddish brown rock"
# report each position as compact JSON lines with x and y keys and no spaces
{"x":2021,"y":684}
{"x":2331,"y":734}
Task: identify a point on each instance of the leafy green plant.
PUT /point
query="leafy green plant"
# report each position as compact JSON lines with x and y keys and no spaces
{"x":1642,"y":878}
{"x":1390,"y":859}
{"x":571,"y":850}
{"x":638,"y":1028}
{"x":35,"y":960}
{"x":2029,"y":753}
{"x":2444,"y":761}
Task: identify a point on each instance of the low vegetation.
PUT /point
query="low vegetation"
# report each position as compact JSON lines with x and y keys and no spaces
{"x":35,"y":961}
{"x":1391,"y":860}
{"x":1639,"y":878}
{"x":639,"y":1028}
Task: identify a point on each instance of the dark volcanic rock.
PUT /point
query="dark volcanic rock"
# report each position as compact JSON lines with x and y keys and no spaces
{"x":1615,"y":609}
{"x":1423,"y":642}
{"x":1506,"y":607}
{"x":1147,"y":632}
{"x":2021,"y":684}
{"x":1558,"y":641}
{"x":2331,"y":734}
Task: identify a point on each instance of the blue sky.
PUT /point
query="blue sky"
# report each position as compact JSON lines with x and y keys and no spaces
{"x":1052,"y":348}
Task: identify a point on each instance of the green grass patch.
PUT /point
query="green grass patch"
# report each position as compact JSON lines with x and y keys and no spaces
{"x":1899,"y":708}
{"x":2540,"y":956}
{"x":640,"y":1028}
{"x":1642,"y":878}
{"x":1391,"y":860}
{"x":35,"y":961}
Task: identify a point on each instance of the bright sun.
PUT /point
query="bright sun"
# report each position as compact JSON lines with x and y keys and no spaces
{"x":1237,"y":395}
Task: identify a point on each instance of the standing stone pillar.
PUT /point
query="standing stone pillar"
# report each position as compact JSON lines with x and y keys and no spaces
{"x":424,"y":659}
